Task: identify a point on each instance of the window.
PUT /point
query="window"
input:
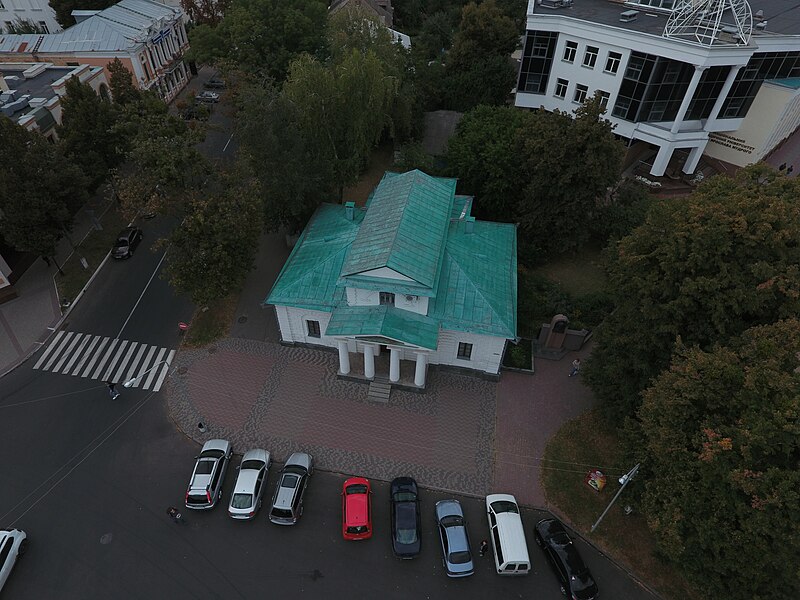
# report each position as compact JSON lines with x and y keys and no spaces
{"x":604,"y":96}
{"x":464,"y":350}
{"x":570,"y":49}
{"x":561,"y":88}
{"x":537,"y":58}
{"x":43,"y":27}
{"x":612,"y":62}
{"x":387,"y":298}
{"x":6,"y":551}
{"x":313,"y":328}
{"x":580,"y":93}
{"x":590,"y":56}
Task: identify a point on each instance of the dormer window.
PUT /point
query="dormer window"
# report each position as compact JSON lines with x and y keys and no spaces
{"x":387,"y":298}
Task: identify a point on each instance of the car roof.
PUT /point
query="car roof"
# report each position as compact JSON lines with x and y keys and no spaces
{"x":457,"y":538}
{"x":256,"y":454}
{"x":406,"y":513}
{"x":246,"y":481}
{"x":446,"y":508}
{"x":357,"y":513}
{"x":216,"y":445}
{"x":300,"y":459}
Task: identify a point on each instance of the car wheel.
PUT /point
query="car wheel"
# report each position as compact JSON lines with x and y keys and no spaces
{"x":23,"y":547}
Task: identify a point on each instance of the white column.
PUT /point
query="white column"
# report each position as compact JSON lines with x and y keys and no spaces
{"x":369,"y":362}
{"x":723,"y":95}
{"x":661,"y":162}
{"x":687,"y":98}
{"x":344,"y":357}
{"x":691,"y":161}
{"x":419,"y":370}
{"x":394,"y":365}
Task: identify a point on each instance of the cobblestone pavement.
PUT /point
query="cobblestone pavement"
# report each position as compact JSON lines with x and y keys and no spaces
{"x":463,"y":434}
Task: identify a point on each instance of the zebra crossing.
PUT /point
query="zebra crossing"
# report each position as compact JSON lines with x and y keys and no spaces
{"x":106,"y":359}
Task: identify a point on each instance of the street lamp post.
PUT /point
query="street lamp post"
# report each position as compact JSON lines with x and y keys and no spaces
{"x":132,"y":382}
{"x":624,"y":480}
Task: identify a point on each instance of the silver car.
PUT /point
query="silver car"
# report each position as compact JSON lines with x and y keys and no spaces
{"x":250,"y":483}
{"x":12,"y":544}
{"x":287,"y":503}
{"x":205,"y":486}
{"x":456,"y":553}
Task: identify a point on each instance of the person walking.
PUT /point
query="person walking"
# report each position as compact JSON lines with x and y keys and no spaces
{"x":484,"y":547}
{"x":576,"y":366}
{"x":782,"y":167}
{"x":173,"y":514}
{"x":790,"y":169}
{"x":112,"y":390}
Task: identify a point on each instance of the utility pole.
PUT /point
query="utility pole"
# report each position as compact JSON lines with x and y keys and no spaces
{"x":624,"y":480}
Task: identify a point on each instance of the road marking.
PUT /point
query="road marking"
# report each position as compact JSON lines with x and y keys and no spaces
{"x":158,"y":266}
{"x":49,"y":349}
{"x":114,"y":360}
{"x":88,"y":353}
{"x":226,"y":143}
{"x":147,"y":362}
{"x":117,"y":378}
{"x":58,"y":350}
{"x":135,"y":362}
{"x":95,"y":357}
{"x":65,"y":356}
{"x":77,"y":354}
{"x":104,"y":358}
{"x":164,"y":371}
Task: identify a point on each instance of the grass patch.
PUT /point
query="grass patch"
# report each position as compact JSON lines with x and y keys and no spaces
{"x":212,"y":324}
{"x":93,"y":248}
{"x":588,"y":440}
{"x":578,"y":274}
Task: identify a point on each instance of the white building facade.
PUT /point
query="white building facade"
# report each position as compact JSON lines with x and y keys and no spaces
{"x":37,"y":12}
{"x":673,"y":73}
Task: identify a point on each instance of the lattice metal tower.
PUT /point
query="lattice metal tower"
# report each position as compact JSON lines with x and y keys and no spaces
{"x":711,"y":22}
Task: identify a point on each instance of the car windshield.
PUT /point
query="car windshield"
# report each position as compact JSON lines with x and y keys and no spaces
{"x":407,"y":536}
{"x":358,"y":529}
{"x":405,"y":497}
{"x":242,"y":501}
{"x":356,"y":489}
{"x":452,"y":521}
{"x":120,"y":243}
{"x":281,"y":513}
{"x":502,"y":506}
{"x":460,"y":558}
{"x":252,"y":464}
{"x":204,"y":467}
{"x":289,"y":481}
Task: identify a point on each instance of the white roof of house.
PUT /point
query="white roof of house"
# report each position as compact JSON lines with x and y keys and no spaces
{"x":118,"y":27}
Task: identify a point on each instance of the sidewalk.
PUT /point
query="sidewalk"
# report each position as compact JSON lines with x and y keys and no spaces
{"x":463,"y":434}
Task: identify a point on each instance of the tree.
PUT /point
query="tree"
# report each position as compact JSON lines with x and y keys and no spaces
{"x":485,"y":155}
{"x":722,"y":440}
{"x":263,"y":36}
{"x":570,"y":165}
{"x":123,"y":89}
{"x":39,"y":191}
{"x":90,"y":131}
{"x":705,"y":268}
{"x":484,"y":31}
{"x":205,"y":12}
{"x":64,"y":8}
{"x":211,"y":252}
{"x":25,"y":26}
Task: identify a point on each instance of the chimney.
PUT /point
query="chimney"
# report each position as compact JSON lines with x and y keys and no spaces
{"x":469,"y":224}
{"x":349,"y":208}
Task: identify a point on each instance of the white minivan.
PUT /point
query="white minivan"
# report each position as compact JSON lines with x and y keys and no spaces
{"x":508,"y":537}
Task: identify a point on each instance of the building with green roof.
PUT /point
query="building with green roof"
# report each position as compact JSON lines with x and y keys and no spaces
{"x":412,"y":273}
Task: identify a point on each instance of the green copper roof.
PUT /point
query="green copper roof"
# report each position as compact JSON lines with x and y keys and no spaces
{"x":405,"y":228}
{"x":308,"y":279}
{"x":477,"y":290}
{"x":384,"y":321}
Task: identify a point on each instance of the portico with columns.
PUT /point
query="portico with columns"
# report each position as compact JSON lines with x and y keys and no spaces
{"x":408,"y":281}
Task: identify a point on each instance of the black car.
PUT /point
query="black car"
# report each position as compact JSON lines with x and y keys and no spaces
{"x":126,"y":243}
{"x":214,"y":84}
{"x":404,"y":498}
{"x":576,"y":580}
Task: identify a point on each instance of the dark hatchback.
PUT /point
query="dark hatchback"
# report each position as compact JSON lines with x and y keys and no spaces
{"x":126,"y":243}
{"x":573,"y":575}
{"x":406,"y":531}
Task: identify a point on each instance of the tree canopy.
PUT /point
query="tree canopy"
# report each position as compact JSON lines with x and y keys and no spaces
{"x":39,"y":190}
{"x":703,"y":267}
{"x":722,"y":442}
{"x":64,"y":9}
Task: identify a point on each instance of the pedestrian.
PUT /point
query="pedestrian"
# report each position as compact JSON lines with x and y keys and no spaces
{"x":484,"y":547}
{"x":112,"y":390}
{"x":576,"y":366}
{"x":790,"y":169}
{"x":782,"y":167}
{"x":173,"y":514}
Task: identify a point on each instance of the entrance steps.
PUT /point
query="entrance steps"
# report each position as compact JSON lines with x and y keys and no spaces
{"x":379,"y":390}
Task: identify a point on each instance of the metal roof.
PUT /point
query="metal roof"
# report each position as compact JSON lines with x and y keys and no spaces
{"x":118,"y":27}
{"x":475,"y":278}
{"x":405,"y":228}
{"x":384,"y":321}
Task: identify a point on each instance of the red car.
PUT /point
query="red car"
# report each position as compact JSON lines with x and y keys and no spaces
{"x":356,"y":509}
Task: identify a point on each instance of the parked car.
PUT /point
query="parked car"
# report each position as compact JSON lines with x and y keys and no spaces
{"x":248,"y":491}
{"x":573,"y":575}
{"x":456,"y":552}
{"x":215,"y":84}
{"x":13,"y":543}
{"x":404,"y":505}
{"x":508,"y":535}
{"x":356,"y":509}
{"x":205,"y":486}
{"x":287,"y":503}
{"x":207,"y":96}
{"x":126,"y":243}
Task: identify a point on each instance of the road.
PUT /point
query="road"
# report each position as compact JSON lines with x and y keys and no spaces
{"x":89,"y":479}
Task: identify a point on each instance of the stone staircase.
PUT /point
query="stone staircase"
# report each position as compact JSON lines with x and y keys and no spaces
{"x":379,"y":390}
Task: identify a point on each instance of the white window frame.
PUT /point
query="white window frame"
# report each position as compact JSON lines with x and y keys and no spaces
{"x":580,"y":90}
{"x":565,"y":84}
{"x":590,"y":57}
{"x":570,"y":52}
{"x":613,"y":60}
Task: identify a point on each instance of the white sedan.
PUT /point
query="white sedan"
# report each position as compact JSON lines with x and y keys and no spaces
{"x":250,"y":484}
{"x":12,"y":545}
{"x":207,"y":97}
